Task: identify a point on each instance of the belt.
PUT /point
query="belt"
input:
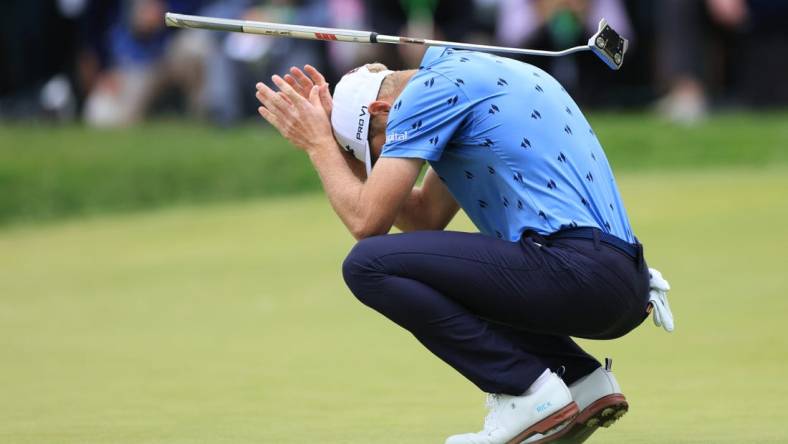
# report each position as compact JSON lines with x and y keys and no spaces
{"x":635,"y":250}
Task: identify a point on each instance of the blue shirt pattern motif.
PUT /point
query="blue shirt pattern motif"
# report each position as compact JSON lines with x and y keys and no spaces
{"x":510,"y":144}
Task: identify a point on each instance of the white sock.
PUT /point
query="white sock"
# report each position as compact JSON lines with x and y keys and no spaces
{"x":540,"y":381}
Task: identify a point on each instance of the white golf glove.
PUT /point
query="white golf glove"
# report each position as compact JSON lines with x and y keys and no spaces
{"x":658,"y":297}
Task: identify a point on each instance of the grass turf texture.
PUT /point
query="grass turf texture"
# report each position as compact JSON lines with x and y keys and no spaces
{"x":230,"y":323}
{"x":49,"y":172}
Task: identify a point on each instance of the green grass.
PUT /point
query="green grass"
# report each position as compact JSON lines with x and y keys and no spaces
{"x":643,"y":142}
{"x":231,"y":324}
{"x":51,"y":172}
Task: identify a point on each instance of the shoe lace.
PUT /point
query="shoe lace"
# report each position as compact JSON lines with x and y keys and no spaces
{"x":491,"y":420}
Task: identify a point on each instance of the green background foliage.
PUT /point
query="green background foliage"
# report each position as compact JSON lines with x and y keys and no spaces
{"x":49,"y":172}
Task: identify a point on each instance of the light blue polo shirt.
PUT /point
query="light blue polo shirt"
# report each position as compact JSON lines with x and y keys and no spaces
{"x":510,"y":144}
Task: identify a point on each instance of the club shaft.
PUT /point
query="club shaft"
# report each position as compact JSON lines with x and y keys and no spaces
{"x":269,"y":29}
{"x":340,"y":35}
{"x":475,"y":47}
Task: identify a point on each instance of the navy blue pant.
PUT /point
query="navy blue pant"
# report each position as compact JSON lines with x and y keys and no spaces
{"x":501,"y":312}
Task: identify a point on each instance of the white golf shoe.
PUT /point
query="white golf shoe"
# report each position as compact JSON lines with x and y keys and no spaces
{"x":540,"y":416}
{"x":601,"y":403}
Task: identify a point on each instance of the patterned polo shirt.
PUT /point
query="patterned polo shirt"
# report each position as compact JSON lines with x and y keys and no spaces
{"x":510,"y":144}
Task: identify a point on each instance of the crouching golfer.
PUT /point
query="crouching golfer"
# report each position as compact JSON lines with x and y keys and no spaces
{"x":555,"y":257}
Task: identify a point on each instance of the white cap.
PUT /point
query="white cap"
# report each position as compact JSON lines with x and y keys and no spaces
{"x":350,"y":116}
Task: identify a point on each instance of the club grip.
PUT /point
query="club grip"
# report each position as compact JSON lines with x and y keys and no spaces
{"x":196,"y":22}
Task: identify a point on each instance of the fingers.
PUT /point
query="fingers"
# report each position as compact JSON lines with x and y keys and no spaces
{"x":294,"y":83}
{"x":314,"y":96}
{"x":285,"y":98}
{"x":295,"y":98}
{"x":302,"y":83}
{"x":325,"y":98}
{"x":295,"y":91}
{"x":305,"y":82}
{"x":272,"y":100}
{"x":317,"y":78}
{"x":268,"y":116}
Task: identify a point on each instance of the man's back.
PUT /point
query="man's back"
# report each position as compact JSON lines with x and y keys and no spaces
{"x":510,"y":144}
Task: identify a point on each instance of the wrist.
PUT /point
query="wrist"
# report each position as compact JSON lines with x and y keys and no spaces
{"x":321,"y":146}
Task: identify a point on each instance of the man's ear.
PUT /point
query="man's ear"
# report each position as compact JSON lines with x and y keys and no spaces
{"x":379,"y":107}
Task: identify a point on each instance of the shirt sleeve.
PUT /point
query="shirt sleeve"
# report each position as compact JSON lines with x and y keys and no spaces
{"x":425,"y":117}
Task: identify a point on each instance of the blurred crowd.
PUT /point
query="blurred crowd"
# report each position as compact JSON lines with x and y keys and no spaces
{"x":113,"y":62}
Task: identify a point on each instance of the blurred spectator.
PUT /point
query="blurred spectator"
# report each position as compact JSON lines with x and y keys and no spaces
{"x":439,"y":19}
{"x":93,"y":52}
{"x":145,"y":58}
{"x":556,"y":25}
{"x":342,"y":56}
{"x":38,"y":40}
{"x":241,"y":60}
{"x":114,"y":62}
{"x":732,"y":49}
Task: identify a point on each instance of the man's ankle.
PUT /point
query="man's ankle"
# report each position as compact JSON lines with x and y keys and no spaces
{"x":540,"y":381}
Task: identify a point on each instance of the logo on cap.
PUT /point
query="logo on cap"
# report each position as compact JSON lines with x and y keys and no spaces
{"x":361,"y":122}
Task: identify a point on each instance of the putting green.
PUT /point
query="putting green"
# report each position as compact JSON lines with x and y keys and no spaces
{"x":231,"y":323}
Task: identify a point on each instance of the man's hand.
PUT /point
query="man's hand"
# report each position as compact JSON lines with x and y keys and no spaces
{"x":301,"y":120}
{"x":303,"y":84}
{"x":300,"y":112}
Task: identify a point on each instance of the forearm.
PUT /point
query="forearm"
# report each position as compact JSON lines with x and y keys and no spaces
{"x":417,"y":214}
{"x":343,"y":186}
{"x":428,"y":207}
{"x":410,"y":215}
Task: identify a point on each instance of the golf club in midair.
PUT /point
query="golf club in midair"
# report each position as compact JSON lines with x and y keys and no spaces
{"x":606,"y":43}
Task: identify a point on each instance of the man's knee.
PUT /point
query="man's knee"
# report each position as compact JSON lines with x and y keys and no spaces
{"x":362,"y":265}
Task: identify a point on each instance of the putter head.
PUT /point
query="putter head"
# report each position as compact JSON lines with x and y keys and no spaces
{"x":608,"y":45}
